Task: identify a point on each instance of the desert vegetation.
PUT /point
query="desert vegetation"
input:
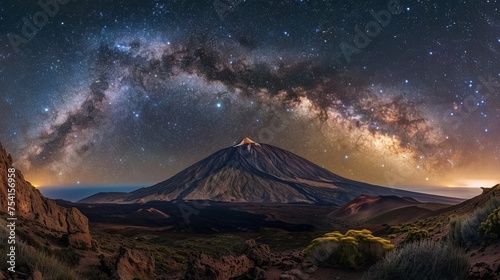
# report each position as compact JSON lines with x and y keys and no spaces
{"x":472,"y":230}
{"x":413,"y":232}
{"x":30,"y":258}
{"x":416,"y":235}
{"x":354,"y":249}
{"x":421,"y":260}
{"x":491,"y":227}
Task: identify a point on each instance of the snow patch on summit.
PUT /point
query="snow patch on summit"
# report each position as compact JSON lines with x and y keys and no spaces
{"x":248,"y":141}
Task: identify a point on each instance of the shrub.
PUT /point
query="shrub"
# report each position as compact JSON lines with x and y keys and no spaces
{"x":68,"y":256}
{"x":395,"y":229}
{"x":491,"y":227}
{"x":352,"y":250}
{"x":28,"y":258}
{"x":455,"y":230}
{"x":416,"y":235}
{"x":465,"y":231}
{"x":408,"y":228}
{"x":425,"y":259}
{"x":400,"y":229}
{"x":179,"y":258}
{"x":49,"y":266}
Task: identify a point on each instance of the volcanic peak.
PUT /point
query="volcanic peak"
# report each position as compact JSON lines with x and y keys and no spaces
{"x":246,"y":140}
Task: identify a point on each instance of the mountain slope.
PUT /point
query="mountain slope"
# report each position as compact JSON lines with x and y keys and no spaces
{"x":253,"y":172}
{"x":468,"y":206}
{"x":384,"y":209}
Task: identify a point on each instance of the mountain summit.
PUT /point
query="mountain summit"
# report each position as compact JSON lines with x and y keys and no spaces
{"x":255,"y":172}
{"x":247,"y":141}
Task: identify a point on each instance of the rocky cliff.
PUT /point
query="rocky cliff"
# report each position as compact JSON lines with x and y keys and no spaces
{"x":69,"y":224}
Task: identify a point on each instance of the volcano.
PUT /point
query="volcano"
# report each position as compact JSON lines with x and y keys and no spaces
{"x":256,"y":172}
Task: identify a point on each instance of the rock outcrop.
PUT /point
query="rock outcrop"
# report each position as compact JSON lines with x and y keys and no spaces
{"x":251,"y":265}
{"x":130,"y":264}
{"x":481,"y":271}
{"x":287,"y":260}
{"x":260,"y":254}
{"x":202,"y":266}
{"x":69,"y":224}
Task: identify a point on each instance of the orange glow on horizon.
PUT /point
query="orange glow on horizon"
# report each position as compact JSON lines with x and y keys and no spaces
{"x":474,"y":184}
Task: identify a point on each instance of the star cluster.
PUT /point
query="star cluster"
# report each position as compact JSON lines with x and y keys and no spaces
{"x":130,"y":92}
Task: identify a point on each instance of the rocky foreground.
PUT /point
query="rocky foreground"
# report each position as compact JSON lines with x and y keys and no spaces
{"x":32,"y":209}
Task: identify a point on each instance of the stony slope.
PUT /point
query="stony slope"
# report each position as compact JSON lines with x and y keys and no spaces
{"x":384,"y":209}
{"x":253,"y":172}
{"x":31,"y":206}
{"x":469,"y":206}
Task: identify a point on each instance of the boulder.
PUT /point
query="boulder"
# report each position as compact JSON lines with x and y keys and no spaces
{"x":309,"y":267}
{"x":481,"y":271}
{"x":496,"y":266}
{"x":287,"y":260}
{"x":256,"y":273}
{"x":36,"y":275}
{"x":258,"y":253}
{"x":202,"y":266}
{"x":79,"y":240}
{"x":130,"y":264}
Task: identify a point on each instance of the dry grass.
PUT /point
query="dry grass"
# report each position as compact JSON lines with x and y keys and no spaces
{"x":464,"y":231}
{"x":422,"y":260}
{"x":28,"y":259}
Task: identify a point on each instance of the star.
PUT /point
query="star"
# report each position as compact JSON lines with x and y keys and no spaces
{"x":99,"y":83}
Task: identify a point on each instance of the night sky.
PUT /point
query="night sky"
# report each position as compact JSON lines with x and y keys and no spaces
{"x":131,"y":92}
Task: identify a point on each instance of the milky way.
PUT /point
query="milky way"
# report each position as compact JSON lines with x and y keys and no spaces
{"x":138,"y":93}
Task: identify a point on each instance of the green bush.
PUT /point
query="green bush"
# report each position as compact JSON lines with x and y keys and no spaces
{"x":491,"y":227}
{"x":352,"y":250}
{"x":409,"y":228}
{"x":395,"y":229}
{"x":179,"y":258}
{"x":465,"y":231}
{"x":416,"y":235}
{"x":406,"y":228}
{"x":425,"y":259}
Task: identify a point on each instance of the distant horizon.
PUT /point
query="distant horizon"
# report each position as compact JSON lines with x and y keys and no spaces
{"x":77,"y":192}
